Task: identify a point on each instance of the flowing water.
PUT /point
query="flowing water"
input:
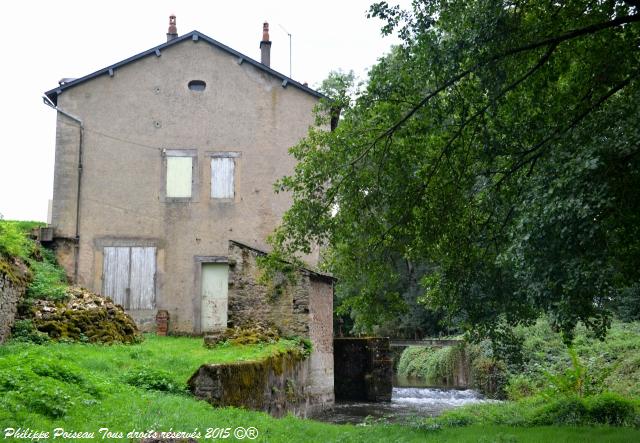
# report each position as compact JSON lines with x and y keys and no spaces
{"x":409,"y":400}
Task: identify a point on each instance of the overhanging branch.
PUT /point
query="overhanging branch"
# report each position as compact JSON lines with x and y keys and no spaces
{"x":550,"y":41}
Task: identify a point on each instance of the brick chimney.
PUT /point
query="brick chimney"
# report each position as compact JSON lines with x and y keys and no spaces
{"x":265,"y":46}
{"x":173,"y":31}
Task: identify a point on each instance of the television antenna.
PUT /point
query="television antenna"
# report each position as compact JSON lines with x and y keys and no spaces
{"x":289,"y":34}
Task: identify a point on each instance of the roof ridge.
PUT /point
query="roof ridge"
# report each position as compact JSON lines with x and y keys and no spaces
{"x":194,"y":35}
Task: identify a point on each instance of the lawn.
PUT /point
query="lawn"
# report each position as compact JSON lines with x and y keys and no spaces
{"x":85,"y":387}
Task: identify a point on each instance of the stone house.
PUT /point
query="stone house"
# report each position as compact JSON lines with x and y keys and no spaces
{"x":164,"y":172}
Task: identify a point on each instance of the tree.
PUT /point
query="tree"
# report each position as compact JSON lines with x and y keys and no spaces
{"x":497,"y":144}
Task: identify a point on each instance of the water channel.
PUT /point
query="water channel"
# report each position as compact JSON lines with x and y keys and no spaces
{"x":411,"y":398}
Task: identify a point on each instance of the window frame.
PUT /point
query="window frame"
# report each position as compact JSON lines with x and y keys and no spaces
{"x":191,"y":153}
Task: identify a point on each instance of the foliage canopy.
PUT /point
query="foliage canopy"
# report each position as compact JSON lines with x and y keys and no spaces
{"x":497,"y":145}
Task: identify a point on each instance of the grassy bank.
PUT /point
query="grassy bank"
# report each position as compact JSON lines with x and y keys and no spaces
{"x":45,"y":279}
{"x":125,"y":388}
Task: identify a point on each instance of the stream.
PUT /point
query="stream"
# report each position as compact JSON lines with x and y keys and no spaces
{"x":410,"y":398}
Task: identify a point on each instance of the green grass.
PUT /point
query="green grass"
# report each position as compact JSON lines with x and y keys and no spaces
{"x":83,"y":387}
{"x":181,"y":356}
{"x":13,"y":238}
{"x":47,"y":279}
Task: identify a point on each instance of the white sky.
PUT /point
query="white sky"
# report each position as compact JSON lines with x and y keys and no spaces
{"x":44,"y":41}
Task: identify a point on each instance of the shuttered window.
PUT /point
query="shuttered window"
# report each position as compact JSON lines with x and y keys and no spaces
{"x":179,"y":177}
{"x":129,"y":276}
{"x":222,"y":177}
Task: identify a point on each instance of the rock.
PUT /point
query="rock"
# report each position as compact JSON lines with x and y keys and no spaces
{"x":243,"y":336}
{"x":211,"y":339}
{"x":85,"y":316}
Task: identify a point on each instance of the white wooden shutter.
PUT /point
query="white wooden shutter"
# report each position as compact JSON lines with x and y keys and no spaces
{"x":179,"y":176}
{"x":222,"y":171}
{"x":142,"y":278}
{"x":116,"y":274}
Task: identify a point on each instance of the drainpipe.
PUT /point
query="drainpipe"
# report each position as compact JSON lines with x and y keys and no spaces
{"x":76,"y":250}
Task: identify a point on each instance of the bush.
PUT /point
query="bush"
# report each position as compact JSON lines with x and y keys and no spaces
{"x":520,"y":386}
{"x":25,"y":331}
{"x":606,"y":409}
{"x":611,"y":409}
{"x":489,"y":376}
{"x":153,"y":380}
{"x":569,"y":410}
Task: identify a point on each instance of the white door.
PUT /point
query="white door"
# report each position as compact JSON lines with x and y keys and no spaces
{"x":215,"y":277}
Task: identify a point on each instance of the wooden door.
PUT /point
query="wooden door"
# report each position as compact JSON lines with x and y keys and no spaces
{"x":128,"y":276}
{"x":215,"y":280}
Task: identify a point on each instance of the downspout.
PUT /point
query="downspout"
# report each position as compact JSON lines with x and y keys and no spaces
{"x":76,"y":249}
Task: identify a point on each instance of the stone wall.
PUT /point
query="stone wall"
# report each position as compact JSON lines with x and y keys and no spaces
{"x":12,"y":288}
{"x":276,"y":385}
{"x":364,"y":369}
{"x":303,"y":308}
{"x":283,"y":305}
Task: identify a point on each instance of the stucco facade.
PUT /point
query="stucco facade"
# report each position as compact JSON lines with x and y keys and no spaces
{"x":135,"y":113}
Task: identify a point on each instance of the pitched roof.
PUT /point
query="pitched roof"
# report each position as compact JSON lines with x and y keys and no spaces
{"x":52,"y":94}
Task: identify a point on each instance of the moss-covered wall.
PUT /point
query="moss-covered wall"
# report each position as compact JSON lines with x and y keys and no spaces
{"x":12,"y":287}
{"x":276,"y":385}
{"x":363,"y":369}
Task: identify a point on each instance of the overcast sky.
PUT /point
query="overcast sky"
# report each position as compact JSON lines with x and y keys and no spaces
{"x":44,"y":41}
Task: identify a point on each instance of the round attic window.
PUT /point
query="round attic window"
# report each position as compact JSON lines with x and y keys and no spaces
{"x":197,"y":85}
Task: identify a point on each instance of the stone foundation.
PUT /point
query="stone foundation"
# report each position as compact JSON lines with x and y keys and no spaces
{"x":277,"y":385}
{"x":363,"y":369}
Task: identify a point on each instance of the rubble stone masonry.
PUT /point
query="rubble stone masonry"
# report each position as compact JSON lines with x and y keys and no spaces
{"x":12,"y":288}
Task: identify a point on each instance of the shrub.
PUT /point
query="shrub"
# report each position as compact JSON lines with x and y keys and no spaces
{"x":489,"y":376}
{"x":25,"y":331}
{"x":611,"y":409}
{"x":153,"y":380}
{"x":569,"y":410}
{"x":520,"y":386}
{"x":606,"y":409}
{"x":573,"y":380}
